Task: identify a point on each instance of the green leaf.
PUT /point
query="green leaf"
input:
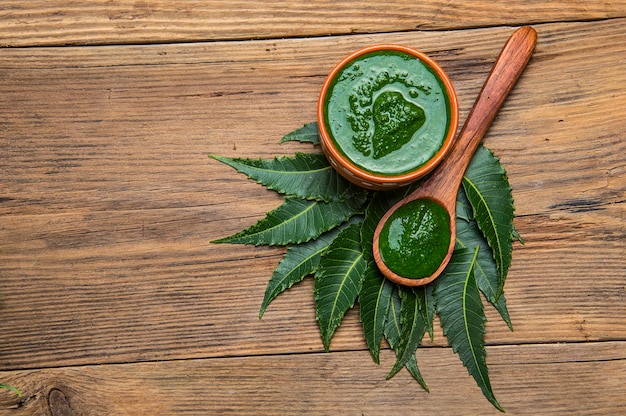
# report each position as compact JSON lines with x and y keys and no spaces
{"x":306,"y":175}
{"x":309,"y":133}
{"x":299,"y":261}
{"x":378,"y":206}
{"x":392,"y":326}
{"x":297,"y":221}
{"x":463,"y":207}
{"x":460,"y":308}
{"x":412,"y":324}
{"x":393,"y":330}
{"x":374,"y":305}
{"x":323,"y":207}
{"x":414,"y":370}
{"x":338,"y":281}
{"x":429,"y":310}
{"x":488,"y":190}
{"x":13,"y":389}
{"x":468,"y":235}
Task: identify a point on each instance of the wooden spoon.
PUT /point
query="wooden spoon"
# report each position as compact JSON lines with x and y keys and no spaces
{"x":442,"y":186}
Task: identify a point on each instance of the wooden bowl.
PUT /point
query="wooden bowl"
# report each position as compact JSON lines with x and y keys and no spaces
{"x":377,"y":181}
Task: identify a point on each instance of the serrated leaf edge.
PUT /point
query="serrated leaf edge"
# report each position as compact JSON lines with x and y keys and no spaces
{"x":486,"y":384}
{"x":377,"y":337}
{"x":296,"y":134}
{"x":242,"y":166}
{"x":492,"y":222}
{"x":328,"y":332}
{"x":266,"y":301}
{"x":408,"y":338}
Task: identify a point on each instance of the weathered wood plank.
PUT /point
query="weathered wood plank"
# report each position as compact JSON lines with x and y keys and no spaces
{"x":146,"y":285}
{"x":130,"y":127}
{"x":56,"y":22}
{"x":108,"y":200}
{"x":575,"y":379}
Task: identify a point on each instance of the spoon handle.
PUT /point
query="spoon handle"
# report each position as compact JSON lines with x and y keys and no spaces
{"x":507,"y":69}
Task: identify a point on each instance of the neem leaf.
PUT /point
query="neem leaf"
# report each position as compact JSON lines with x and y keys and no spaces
{"x":338,"y":281}
{"x":488,"y":190}
{"x":392,"y":326}
{"x":13,"y":389}
{"x":297,"y":221}
{"x":321,"y":206}
{"x":460,"y":308}
{"x":374,"y":305}
{"x":378,"y":206}
{"x":463,"y":206}
{"x":299,"y":261}
{"x":429,"y":310}
{"x":393,"y":330}
{"x":414,"y":370}
{"x":306,"y":175}
{"x":469,"y":235}
{"x":412,"y":324}
{"x":309,"y":133}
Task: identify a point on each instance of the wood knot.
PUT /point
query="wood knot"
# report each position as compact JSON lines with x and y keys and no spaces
{"x":58,"y":404}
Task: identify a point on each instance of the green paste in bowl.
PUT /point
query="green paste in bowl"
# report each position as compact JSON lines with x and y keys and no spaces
{"x":387,"y":112}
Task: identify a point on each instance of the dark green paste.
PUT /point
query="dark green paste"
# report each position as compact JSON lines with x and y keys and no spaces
{"x":387,"y":112}
{"x":415,"y":239}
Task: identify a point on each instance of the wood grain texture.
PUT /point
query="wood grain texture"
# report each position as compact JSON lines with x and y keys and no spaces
{"x":102,"y":119}
{"x":108,"y":201}
{"x":79,"y":289}
{"x":528,"y":380}
{"x":106,"y":185}
{"x":82,"y":22}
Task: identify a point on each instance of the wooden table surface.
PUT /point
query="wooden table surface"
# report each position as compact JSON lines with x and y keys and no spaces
{"x":113,"y":302}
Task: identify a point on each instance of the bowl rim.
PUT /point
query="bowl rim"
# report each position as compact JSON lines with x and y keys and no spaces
{"x":354,"y":171}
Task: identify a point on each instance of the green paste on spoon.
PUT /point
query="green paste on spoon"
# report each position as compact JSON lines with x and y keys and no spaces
{"x":415,"y":239}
